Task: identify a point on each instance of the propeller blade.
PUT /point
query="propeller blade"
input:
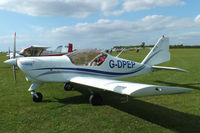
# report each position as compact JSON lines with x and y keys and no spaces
{"x":9,"y":52}
{"x":14,"y":56}
{"x":14,"y":51}
{"x":14,"y":73}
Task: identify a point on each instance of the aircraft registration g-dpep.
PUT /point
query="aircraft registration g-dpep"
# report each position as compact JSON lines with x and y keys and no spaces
{"x":97,"y":70}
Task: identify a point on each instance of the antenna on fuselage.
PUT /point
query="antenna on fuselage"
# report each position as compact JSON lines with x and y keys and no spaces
{"x":120,"y":53}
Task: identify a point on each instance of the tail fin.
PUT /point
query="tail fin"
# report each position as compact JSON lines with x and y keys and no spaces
{"x":70,"y":47}
{"x":159,"y":53}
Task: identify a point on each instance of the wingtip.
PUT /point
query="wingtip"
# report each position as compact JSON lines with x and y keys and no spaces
{"x":183,"y":70}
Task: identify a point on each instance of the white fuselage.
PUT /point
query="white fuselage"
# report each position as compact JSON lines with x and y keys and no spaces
{"x":61,"y":69}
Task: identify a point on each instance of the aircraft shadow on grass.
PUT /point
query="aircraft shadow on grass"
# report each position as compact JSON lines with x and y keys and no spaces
{"x":165,"y":117}
{"x":160,"y":115}
{"x":72,"y":100}
{"x":191,"y":85}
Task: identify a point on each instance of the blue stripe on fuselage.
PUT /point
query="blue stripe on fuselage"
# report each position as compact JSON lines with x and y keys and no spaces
{"x":93,"y":71}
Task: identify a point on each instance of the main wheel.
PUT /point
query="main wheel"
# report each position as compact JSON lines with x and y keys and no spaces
{"x":95,"y":99}
{"x":37,"y":99}
{"x":67,"y":87}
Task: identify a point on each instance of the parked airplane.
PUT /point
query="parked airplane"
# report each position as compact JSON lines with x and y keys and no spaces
{"x":10,"y":54}
{"x":97,"y":70}
{"x":36,"y":50}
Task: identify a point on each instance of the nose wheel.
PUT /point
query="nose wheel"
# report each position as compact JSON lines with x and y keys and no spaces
{"x":37,"y":97}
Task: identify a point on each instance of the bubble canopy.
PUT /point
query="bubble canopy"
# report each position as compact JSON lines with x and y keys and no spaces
{"x":89,"y":57}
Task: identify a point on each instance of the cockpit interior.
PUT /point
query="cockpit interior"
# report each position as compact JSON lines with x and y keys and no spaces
{"x":89,"y":57}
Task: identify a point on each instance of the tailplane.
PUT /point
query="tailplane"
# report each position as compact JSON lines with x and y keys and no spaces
{"x":159,"y":53}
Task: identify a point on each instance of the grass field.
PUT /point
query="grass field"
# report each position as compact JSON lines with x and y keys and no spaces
{"x":70,"y":112}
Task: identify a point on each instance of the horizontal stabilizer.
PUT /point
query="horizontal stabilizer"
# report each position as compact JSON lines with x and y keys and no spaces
{"x":127,"y":88}
{"x":168,"y":68}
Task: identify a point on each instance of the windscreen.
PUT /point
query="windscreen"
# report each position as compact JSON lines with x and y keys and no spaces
{"x":89,"y":57}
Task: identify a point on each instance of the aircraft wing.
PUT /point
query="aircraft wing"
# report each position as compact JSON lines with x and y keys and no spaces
{"x":127,"y":88}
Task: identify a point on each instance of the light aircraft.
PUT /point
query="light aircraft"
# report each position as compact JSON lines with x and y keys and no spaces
{"x":37,"y":50}
{"x":97,"y":70}
{"x":10,"y":54}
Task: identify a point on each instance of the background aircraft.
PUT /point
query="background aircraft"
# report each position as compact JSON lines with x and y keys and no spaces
{"x":36,"y":50}
{"x":98,"y":71}
{"x":10,"y":54}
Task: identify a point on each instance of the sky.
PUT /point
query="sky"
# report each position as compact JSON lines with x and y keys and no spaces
{"x":98,"y":23}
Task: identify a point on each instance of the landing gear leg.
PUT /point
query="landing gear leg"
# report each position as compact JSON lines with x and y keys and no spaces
{"x":37,"y":96}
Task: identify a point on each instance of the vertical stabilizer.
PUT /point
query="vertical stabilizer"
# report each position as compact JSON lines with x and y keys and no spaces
{"x":159,"y":53}
{"x":70,"y":47}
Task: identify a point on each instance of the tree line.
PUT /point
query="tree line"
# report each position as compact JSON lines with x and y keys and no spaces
{"x":171,"y":46}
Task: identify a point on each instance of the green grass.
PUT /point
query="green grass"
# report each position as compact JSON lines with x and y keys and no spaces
{"x":63,"y":111}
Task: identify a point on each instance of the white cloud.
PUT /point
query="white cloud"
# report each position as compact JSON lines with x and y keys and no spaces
{"x":197,"y":19}
{"x":186,"y":38}
{"x":105,"y":33}
{"x":137,"y":5}
{"x":134,"y":5}
{"x":76,"y":8}
{"x":81,"y":8}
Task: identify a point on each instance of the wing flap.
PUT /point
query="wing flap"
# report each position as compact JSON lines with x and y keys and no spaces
{"x":127,"y":88}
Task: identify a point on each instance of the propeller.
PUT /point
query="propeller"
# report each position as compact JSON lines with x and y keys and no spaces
{"x":14,"y":56}
{"x":9,"y":53}
{"x":13,"y":61}
{"x":14,"y":73}
{"x":14,"y":50}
